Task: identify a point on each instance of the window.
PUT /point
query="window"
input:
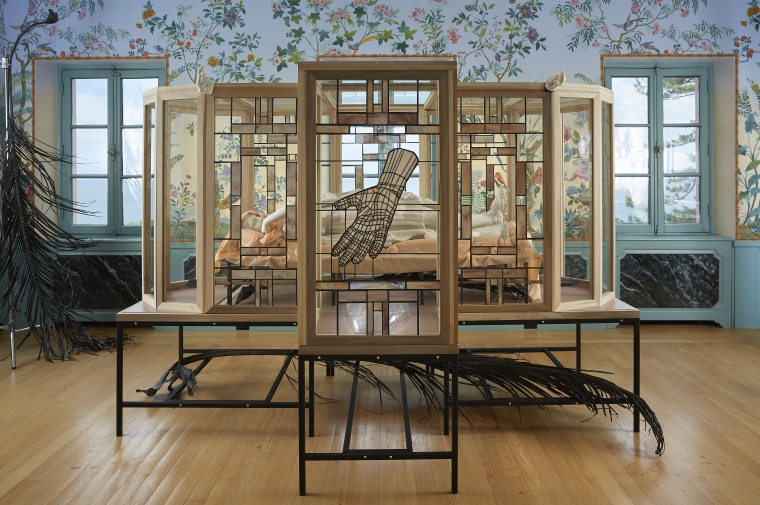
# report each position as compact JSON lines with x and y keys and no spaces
{"x":663,"y":131}
{"x":101,"y":122}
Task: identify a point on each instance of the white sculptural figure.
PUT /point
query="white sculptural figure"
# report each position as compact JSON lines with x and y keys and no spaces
{"x":555,"y":80}
{"x":203,"y":82}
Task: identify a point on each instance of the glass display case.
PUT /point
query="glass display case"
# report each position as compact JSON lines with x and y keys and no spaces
{"x":377,"y":188}
{"x":535,"y":223}
{"x":531,"y":226}
{"x":223,"y":239}
{"x":582,"y":147}
{"x":504,"y":161}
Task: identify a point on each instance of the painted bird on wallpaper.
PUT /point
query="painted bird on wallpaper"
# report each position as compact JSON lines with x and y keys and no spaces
{"x":628,"y":23}
{"x":24,"y":25}
{"x":479,"y":72}
{"x":45,"y":48}
{"x":499,"y":178}
{"x":649,"y":46}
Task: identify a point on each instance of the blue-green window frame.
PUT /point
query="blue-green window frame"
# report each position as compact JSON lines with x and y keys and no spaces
{"x":656,"y":72}
{"x":115,"y":175}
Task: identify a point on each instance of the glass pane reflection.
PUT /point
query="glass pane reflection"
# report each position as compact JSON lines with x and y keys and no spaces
{"x":680,"y":102}
{"x":631,"y":150}
{"x":631,"y":100}
{"x":90,"y":150}
{"x":681,"y":200}
{"x":632,"y":200}
{"x":681,"y":153}
{"x":132,"y":99}
{"x":91,"y":195}
{"x":131,"y":201}
{"x":89,"y":102}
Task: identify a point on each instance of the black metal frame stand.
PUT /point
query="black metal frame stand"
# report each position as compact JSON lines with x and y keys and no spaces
{"x":204,"y":356}
{"x":492,"y":401}
{"x":451,"y":362}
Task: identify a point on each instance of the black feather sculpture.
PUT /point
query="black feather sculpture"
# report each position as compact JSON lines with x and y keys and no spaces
{"x":510,"y":377}
{"x":37,"y":284}
{"x":516,"y":378}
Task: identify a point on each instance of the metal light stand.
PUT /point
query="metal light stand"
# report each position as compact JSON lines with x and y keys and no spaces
{"x":51,"y":18}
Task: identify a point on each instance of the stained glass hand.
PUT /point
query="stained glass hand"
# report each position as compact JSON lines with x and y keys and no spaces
{"x":375,"y":208}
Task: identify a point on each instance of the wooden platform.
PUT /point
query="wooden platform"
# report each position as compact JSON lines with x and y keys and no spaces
{"x":57,"y":442}
{"x":143,"y":312}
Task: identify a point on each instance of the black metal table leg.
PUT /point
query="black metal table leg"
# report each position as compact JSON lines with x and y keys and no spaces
{"x":578,"y":346}
{"x":455,"y":425}
{"x":311,"y":397}
{"x":446,"y":364}
{"x":181,"y":343}
{"x":119,"y":378}
{"x":301,"y":429}
{"x":636,"y":370}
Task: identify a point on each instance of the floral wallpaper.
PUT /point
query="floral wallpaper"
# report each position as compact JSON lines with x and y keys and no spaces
{"x":517,"y":40}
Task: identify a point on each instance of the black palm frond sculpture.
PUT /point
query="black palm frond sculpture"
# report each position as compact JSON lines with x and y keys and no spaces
{"x":37,"y":284}
{"x":520,"y":379}
{"x":30,"y":242}
{"x":511,"y":378}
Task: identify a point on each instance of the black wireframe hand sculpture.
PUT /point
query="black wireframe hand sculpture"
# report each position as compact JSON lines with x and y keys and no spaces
{"x":375,"y":208}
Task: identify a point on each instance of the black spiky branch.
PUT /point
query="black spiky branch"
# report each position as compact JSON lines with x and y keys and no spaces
{"x":518,"y":378}
{"x":37,"y":285}
{"x":488,"y":374}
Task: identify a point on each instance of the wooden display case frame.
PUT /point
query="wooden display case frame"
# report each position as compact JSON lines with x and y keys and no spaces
{"x":202,"y":301}
{"x":443,"y":71}
{"x":597,"y":94}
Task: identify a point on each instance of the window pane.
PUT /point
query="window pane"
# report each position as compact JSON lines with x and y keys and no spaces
{"x":91,"y":195}
{"x":89,"y":101}
{"x":680,"y":100}
{"x":131,"y":201}
{"x":631,"y":100}
{"x":132,"y":151}
{"x":132,"y":98}
{"x":631,"y":150}
{"x":90,"y":150}
{"x":682,"y":200}
{"x":681,"y":153}
{"x":632,"y":200}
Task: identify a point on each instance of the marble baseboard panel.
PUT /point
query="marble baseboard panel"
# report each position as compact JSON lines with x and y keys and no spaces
{"x":576,"y":266}
{"x":189,"y":268}
{"x":660,"y":281}
{"x":105,"y":282}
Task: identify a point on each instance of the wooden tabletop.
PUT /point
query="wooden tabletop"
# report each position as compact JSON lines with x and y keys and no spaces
{"x":615,"y":309}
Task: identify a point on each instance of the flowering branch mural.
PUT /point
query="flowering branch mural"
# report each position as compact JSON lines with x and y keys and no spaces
{"x":98,"y":40}
{"x":34,"y":43}
{"x":749,"y":152}
{"x":188,"y":37}
{"x":432,"y":25}
{"x":317,"y":28}
{"x":501,"y":39}
{"x":636,"y":34}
